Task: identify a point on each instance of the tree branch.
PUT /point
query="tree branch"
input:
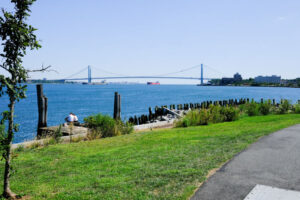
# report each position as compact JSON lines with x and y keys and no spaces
{"x":3,"y":67}
{"x":43,"y":69}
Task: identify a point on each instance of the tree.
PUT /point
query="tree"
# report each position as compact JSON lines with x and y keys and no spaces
{"x":16,"y":37}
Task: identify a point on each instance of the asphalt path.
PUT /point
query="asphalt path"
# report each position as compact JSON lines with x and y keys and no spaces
{"x":272,"y":161}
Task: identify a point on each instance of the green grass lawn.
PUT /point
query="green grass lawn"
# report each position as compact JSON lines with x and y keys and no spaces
{"x":162,"y":164}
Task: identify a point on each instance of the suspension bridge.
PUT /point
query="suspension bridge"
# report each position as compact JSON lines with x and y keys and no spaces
{"x":90,"y":78}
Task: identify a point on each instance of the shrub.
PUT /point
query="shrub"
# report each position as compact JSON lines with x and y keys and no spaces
{"x":284,"y":107}
{"x":184,"y":122}
{"x":252,"y":108}
{"x":204,"y":117}
{"x":230,"y":113}
{"x":242,"y":108}
{"x":216,"y":115}
{"x":105,"y":126}
{"x":125,"y":128}
{"x":297,"y":108}
{"x":264,"y":108}
{"x":194,"y":118}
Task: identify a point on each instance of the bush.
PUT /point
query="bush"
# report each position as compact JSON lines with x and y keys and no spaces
{"x":125,"y":128}
{"x":105,"y":126}
{"x":297,"y":108}
{"x":230,"y":113}
{"x":252,"y":109}
{"x":216,"y":115}
{"x":184,"y":123}
{"x":284,"y":107}
{"x":264,"y":108}
{"x":194,"y":118}
{"x":242,"y":108}
{"x":204,"y":117}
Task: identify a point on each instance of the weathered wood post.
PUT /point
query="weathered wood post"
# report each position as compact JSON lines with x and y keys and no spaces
{"x":117,"y":106}
{"x":150,"y":114}
{"x":131,"y":120}
{"x":135,"y":120}
{"x":42,"y":102}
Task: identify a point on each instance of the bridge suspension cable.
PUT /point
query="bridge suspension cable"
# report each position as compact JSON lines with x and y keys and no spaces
{"x":215,"y":70}
{"x":79,"y":72}
{"x":183,"y":70}
{"x":108,"y":72}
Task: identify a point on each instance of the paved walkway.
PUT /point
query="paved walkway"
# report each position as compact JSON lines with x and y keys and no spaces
{"x":273,"y":161}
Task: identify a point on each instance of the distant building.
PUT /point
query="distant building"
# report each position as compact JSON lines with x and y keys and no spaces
{"x":268,"y":79}
{"x":237,"y":78}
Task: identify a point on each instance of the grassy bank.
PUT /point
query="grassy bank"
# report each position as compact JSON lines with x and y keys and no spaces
{"x":163,"y":164}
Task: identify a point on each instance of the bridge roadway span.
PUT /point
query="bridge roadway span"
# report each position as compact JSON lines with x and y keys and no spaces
{"x":138,"y":77}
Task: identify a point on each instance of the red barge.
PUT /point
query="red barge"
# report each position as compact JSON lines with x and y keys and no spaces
{"x":153,"y":83}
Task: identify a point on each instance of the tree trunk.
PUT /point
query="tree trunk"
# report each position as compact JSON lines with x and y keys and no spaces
{"x":7,"y":193}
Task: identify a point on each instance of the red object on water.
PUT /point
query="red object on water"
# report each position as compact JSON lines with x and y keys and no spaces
{"x":153,"y":83}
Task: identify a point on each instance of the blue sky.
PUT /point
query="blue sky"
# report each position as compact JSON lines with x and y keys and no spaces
{"x":149,"y":37}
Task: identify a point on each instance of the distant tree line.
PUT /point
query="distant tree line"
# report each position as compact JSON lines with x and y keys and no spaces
{"x":295,"y":83}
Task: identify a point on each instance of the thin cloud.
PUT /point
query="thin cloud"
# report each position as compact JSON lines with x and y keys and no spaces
{"x":281,"y":18}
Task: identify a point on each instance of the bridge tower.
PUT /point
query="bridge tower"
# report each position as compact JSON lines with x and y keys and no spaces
{"x":202,"y":75}
{"x":89,"y":74}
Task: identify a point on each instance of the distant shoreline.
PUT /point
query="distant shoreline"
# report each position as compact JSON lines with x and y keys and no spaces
{"x":132,"y":83}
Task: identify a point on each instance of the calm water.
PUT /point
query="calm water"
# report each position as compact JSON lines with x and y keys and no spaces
{"x":85,"y":100}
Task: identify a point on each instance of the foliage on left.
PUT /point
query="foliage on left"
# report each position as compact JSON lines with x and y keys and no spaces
{"x":16,"y":37}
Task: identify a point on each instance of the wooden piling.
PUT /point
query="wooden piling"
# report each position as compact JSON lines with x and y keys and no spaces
{"x":191,"y":106}
{"x":131,"y":121}
{"x":150,"y":114}
{"x":117,"y":106}
{"x":42,"y":109}
{"x":135,"y":120}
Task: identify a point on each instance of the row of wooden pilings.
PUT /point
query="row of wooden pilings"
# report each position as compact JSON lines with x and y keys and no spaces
{"x":161,"y":111}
